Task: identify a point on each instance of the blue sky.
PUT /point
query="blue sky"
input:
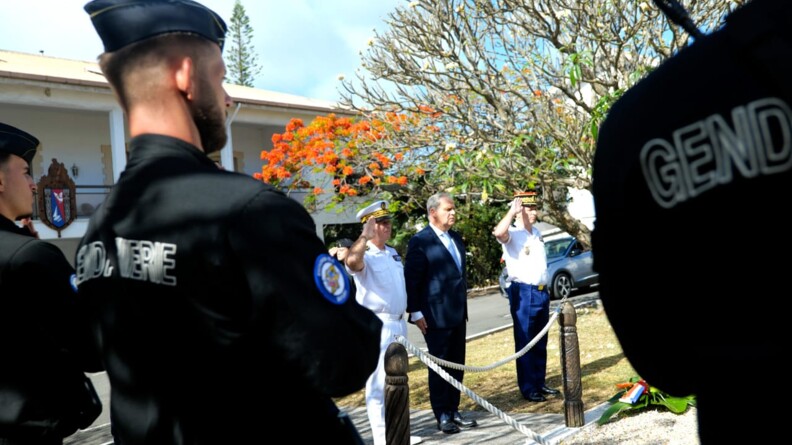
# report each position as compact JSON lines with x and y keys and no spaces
{"x":302,"y":45}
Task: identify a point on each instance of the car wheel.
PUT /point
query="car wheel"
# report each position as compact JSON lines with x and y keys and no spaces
{"x":562,"y":286}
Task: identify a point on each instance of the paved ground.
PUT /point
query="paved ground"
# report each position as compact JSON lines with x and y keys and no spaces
{"x":490,"y":430}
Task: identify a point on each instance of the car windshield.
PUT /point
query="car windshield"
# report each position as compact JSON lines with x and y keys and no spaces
{"x":557,"y":247}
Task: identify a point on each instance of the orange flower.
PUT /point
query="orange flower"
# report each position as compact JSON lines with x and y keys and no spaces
{"x":347,"y":171}
{"x":402,"y":180}
{"x":364,"y":180}
{"x":398,"y":156}
{"x":294,"y":124}
{"x":336,"y":182}
{"x":317,"y":191}
{"x":419,"y":171}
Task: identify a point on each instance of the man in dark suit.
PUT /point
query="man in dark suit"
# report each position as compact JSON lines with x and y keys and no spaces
{"x":434,"y":272}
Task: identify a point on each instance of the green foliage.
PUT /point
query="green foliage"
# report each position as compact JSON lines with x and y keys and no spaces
{"x":242,"y":62}
{"x":334,"y":232}
{"x":475,"y":222}
{"x":651,"y":397}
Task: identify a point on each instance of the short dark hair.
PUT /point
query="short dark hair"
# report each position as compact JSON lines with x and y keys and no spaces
{"x":157,"y":51}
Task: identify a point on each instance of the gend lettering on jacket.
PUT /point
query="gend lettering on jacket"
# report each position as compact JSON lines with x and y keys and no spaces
{"x":142,"y":260}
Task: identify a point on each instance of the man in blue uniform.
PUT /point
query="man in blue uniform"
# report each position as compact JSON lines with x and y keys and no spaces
{"x":219,"y":314}
{"x":685,"y":157}
{"x":43,"y":341}
{"x":529,"y":301}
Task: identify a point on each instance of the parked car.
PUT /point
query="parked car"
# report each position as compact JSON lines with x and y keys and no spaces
{"x":569,"y":267}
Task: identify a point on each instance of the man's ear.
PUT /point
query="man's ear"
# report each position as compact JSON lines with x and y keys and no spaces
{"x":184,"y":77}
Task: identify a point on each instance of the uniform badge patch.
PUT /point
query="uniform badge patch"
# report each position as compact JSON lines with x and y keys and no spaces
{"x":331,"y":279}
{"x":73,"y":282}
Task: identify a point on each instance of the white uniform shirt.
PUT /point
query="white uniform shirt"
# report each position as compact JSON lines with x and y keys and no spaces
{"x":380,"y":285}
{"x":528,"y":266}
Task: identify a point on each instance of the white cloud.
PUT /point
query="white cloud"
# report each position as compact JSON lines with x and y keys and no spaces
{"x":302,"y":45}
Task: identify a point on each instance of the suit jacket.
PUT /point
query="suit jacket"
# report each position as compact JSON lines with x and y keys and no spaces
{"x":435,"y":286}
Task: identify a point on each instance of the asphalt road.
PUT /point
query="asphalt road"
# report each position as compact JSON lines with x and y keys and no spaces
{"x":489,"y":313}
{"x":485,"y":313}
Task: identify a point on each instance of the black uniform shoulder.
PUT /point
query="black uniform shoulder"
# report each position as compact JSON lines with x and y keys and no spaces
{"x":21,"y":249}
{"x":10,"y":244}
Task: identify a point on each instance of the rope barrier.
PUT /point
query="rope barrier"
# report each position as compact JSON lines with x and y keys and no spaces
{"x":453,"y":382}
{"x":515,"y":356}
{"x":434,"y":364}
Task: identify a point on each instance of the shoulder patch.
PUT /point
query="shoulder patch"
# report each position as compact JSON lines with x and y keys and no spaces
{"x":330,"y":279}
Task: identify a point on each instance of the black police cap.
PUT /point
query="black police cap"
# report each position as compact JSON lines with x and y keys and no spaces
{"x":17,"y":142}
{"x":122,"y":22}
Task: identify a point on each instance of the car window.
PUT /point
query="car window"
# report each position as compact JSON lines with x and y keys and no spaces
{"x":557,"y":247}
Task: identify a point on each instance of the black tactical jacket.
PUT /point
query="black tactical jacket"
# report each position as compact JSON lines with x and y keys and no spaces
{"x":690,"y":179}
{"x":207,"y":291}
{"x":43,"y":344}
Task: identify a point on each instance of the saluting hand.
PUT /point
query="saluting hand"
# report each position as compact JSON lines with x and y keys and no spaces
{"x":516,"y":206}
{"x":369,"y":229}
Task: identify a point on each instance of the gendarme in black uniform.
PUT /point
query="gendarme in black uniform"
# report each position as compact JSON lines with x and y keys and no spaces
{"x":693,"y":165}
{"x":220,"y":317}
{"x":42,"y":342}
{"x":207,"y":310}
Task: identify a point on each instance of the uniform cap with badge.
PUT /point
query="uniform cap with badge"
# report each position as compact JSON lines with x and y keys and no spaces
{"x":17,"y":142}
{"x":528,"y":199}
{"x":377,"y":210}
{"x":123,"y":22}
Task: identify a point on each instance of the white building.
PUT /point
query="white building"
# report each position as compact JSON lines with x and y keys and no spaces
{"x":69,"y":107}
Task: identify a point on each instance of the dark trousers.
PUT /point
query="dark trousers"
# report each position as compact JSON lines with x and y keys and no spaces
{"x":447,"y":344}
{"x":530,"y":311}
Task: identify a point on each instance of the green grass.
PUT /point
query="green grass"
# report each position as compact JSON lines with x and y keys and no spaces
{"x":602,"y":362}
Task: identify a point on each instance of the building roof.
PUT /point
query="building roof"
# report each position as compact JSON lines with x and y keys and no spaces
{"x":36,"y":67}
